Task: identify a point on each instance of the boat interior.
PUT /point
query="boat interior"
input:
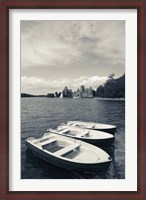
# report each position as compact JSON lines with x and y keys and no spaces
{"x":75,"y":132}
{"x":60,"y":147}
{"x":82,"y":124}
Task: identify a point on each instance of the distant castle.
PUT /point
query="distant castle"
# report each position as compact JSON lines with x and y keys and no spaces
{"x":79,"y":93}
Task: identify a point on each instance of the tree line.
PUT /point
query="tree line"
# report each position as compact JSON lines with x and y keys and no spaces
{"x":113,"y":88}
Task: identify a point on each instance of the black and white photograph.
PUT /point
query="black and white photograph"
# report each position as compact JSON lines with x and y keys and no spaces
{"x":72,"y":99}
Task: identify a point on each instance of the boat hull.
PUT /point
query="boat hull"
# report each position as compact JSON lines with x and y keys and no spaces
{"x":107,"y":130}
{"x":99,"y":168}
{"x":100,"y":143}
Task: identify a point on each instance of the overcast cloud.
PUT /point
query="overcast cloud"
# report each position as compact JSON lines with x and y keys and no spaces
{"x":59,"y":53}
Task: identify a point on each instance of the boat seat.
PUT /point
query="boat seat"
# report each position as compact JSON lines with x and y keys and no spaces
{"x":75,"y":124}
{"x":64,"y":131}
{"x":48,"y":141}
{"x":67,"y":149}
{"x":83,"y":134}
{"x":92,"y":126}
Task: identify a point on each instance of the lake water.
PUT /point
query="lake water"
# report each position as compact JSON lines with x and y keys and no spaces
{"x":39,"y":114}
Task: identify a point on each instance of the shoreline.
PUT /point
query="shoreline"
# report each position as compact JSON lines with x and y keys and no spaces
{"x":115,"y":99}
{"x":99,"y":98}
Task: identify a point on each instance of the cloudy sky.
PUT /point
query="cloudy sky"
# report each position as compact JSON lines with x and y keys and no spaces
{"x":55,"y":54}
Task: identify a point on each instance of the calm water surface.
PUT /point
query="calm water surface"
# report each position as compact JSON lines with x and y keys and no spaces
{"x":39,"y":114}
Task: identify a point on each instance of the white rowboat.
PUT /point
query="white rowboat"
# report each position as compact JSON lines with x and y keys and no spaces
{"x":94,"y":126}
{"x":98,"y":138}
{"x":69,"y":153}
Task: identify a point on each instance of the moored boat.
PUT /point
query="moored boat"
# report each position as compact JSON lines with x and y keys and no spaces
{"x":98,"y":138}
{"x":61,"y":96}
{"x":94,"y":126}
{"x":69,"y":153}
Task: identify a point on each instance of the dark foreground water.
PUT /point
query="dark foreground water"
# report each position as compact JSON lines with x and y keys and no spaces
{"x":39,"y":114}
